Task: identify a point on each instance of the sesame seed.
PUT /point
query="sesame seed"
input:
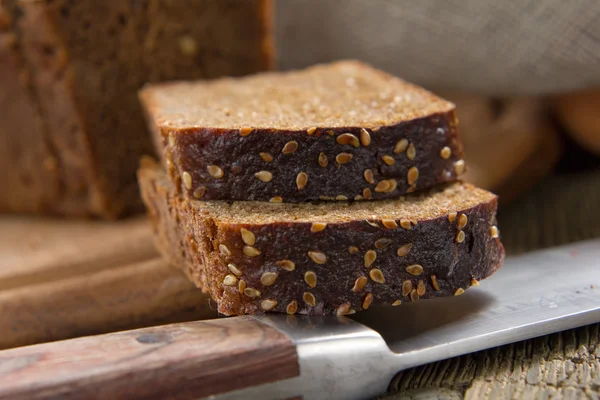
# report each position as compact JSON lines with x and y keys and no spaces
{"x":309,"y":299}
{"x":245,"y":131}
{"x":268,"y":305}
{"x":224,"y":250}
{"x":365,"y":137}
{"x":382,"y":243}
{"x":343,"y":309}
{"x":230,"y":280}
{"x":276,"y":199}
{"x":372,"y":223}
{"x":330,"y":133}
{"x":252,"y":293}
{"x":459,"y":291}
{"x":264,"y":176}
{"x":310,"y":278}
{"x":367,"y":193}
{"x":452,"y":216}
{"x":368,"y":175}
{"x":268,"y":278}
{"x":251,"y":251}
{"x":404,"y":249}
{"x":376,"y":275}
{"x":326,"y":198}
{"x":389,"y":223}
{"x":462,"y":221}
{"x":353,"y":250}
{"x":460,"y":237}
{"x":401,"y":146}
{"x":317,"y":227}
{"x":411,"y":189}
{"x":459,"y":167}
{"x":341,"y":197}
{"x":312,"y":130}
{"x":290,"y":147}
{"x":386,"y":186}
{"x":171,"y":139}
{"x":358,"y":197}
{"x":370,"y":257}
{"x":376,"y":129}
{"x":292,"y":307}
{"x":266,"y":157}
{"x":445,"y":153}
{"x":411,"y":153}
{"x":396,"y":303}
{"x":414,"y":296}
{"x":474,"y":282}
{"x":343,"y":158}
{"x":199,"y":192}
{"x":367,"y":301}
{"x":407,"y":287}
{"x":323,"y":160}
{"x":434,"y":283}
{"x":242,"y":286}
{"x":301,"y":180}
{"x":215,"y":171}
{"x":248,"y":237}
{"x":414,"y":269}
{"x":421,"y":288}
{"x":404,"y":223}
{"x":413,"y":175}
{"x":187,"y":180}
{"x":414,"y":221}
{"x":234,"y":269}
{"x":348,"y":138}
{"x":317,"y":256}
{"x":286,"y":265}
{"x":359,"y":284}
{"x":389,"y":160}
{"x":494,"y":232}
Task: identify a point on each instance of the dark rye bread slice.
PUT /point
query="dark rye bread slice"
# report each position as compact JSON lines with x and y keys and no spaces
{"x":330,"y":132}
{"x":84,"y":61}
{"x":327,"y":258}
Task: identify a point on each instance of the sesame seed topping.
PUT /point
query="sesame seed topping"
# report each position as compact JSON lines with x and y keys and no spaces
{"x":286,"y":265}
{"x":268,"y":278}
{"x":421,"y":288}
{"x":414,"y":296}
{"x":187,"y":180}
{"x":245,"y":131}
{"x":343,"y":309}
{"x":414,"y":269}
{"x":494,"y":232}
{"x":367,"y":193}
{"x":404,"y":223}
{"x":292,"y":307}
{"x":414,"y":221}
{"x":368,"y":175}
{"x":459,"y":167}
{"x":370,"y":257}
{"x":474,"y":282}
{"x":317,"y":227}
{"x":459,"y":291}
{"x":242,"y":286}
{"x":411,"y":153}
{"x":266,"y":157}
{"x":372,"y":223}
{"x":341,"y":197}
{"x":301,"y":180}
{"x":276,"y":199}
{"x":434,"y":283}
{"x":248,"y":237}
{"x":343,"y":158}
{"x":215,"y":171}
{"x":376,"y":129}
{"x":411,"y":189}
{"x":445,"y":153}
{"x":317,"y":256}
{"x":460,"y":237}
{"x":348,"y":138}
{"x":290,"y":147}
{"x":401,"y":146}
{"x":268,"y":305}
{"x":234,"y":269}
{"x":230,"y":280}
{"x":323,"y":160}
{"x":224,"y":250}
{"x":389,"y":223}
{"x":376,"y":275}
{"x":264,"y":176}
{"x":396,"y":303}
{"x":251,"y":251}
{"x":199,"y":192}
{"x":412,"y":176}
{"x":365,"y":137}
{"x":330,"y":133}
{"x":309,"y":299}
{"x":404,"y":249}
{"x":358,"y":197}
{"x":353,"y":250}
{"x":312,"y":130}
{"x":462,"y":221}
{"x":407,"y":287}
{"x":252,"y":293}
{"x":452,"y":216}
{"x":326,"y":198}
{"x":386,"y":186}
{"x":389,"y":160}
{"x":382,"y":243}
{"x":359,"y":284}
{"x":310,"y":278}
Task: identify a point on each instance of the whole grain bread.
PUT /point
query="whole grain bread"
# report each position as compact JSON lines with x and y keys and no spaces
{"x":73,"y":138}
{"x":337,"y":131}
{"x":330,"y":257}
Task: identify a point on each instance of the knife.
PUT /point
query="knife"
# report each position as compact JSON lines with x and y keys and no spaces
{"x":298,"y":357}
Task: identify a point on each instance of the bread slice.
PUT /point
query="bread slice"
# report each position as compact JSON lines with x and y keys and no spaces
{"x":327,"y":258}
{"x":336,"y":131}
{"x":82,"y":63}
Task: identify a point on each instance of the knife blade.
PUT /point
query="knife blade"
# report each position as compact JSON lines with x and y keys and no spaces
{"x":285,"y":357}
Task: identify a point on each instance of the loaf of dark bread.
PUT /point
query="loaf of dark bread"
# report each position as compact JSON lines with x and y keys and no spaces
{"x":330,"y":132}
{"x":72,"y":139}
{"x":329,"y":257}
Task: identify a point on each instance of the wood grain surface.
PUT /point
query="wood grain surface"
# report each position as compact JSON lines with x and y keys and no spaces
{"x":180,"y":361}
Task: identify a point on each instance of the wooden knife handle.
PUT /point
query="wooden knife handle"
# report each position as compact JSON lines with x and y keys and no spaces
{"x":179,"y":361}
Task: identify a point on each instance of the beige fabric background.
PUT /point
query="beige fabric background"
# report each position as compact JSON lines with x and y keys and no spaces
{"x":490,"y":46}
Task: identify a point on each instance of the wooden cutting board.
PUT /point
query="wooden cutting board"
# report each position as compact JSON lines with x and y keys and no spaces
{"x":62,"y":279}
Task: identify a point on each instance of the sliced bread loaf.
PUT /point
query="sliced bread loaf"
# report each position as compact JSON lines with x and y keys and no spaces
{"x":330,"y":132}
{"x":330,"y":257}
